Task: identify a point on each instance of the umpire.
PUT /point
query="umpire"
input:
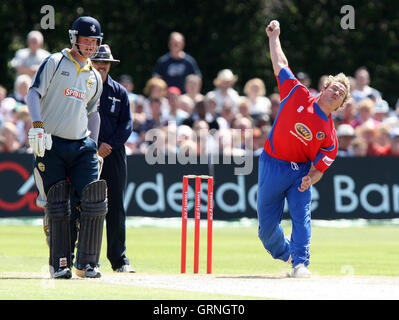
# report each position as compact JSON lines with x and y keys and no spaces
{"x":115,"y":129}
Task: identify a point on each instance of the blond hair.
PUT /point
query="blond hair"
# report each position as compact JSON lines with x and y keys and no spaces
{"x":155,"y":82}
{"x":368,"y":104}
{"x":255,"y":82}
{"x":341,"y":78}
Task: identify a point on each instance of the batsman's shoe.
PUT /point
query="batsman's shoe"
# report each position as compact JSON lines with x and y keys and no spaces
{"x":126,"y":268}
{"x":63,"y":273}
{"x":88,"y":272}
{"x":300,"y":271}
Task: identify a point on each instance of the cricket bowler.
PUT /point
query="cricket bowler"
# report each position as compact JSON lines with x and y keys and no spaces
{"x":300,"y":147}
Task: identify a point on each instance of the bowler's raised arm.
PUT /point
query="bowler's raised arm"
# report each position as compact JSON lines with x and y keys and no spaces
{"x":277,"y":55}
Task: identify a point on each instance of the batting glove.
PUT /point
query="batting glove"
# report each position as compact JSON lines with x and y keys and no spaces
{"x":39,"y":141}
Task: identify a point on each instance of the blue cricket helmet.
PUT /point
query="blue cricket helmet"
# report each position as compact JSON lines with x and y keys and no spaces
{"x":86,"y":27}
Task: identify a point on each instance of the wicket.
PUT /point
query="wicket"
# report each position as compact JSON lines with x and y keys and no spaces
{"x":197,"y":217}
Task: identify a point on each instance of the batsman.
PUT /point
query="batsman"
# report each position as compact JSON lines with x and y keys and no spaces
{"x":300,"y":147}
{"x":63,"y":102}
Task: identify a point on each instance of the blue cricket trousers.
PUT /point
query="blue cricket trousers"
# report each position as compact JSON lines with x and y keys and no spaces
{"x":73,"y":159}
{"x":279,"y":180}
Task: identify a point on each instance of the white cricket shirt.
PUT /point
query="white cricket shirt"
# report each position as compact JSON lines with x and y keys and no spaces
{"x":68,"y":93}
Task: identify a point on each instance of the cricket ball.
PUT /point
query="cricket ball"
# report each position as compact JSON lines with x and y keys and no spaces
{"x":274,"y":24}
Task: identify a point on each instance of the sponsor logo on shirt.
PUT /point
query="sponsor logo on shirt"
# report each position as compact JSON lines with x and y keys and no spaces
{"x":90,"y":83}
{"x":303,"y":131}
{"x":320,"y":135}
{"x":74,"y":94}
{"x":328,"y":161}
{"x":300,"y":109}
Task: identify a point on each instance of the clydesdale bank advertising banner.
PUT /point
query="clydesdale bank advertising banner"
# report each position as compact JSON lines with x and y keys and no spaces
{"x":352,"y":188}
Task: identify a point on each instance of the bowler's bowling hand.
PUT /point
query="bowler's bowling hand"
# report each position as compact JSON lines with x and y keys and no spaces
{"x":306,"y":183}
{"x":273,"y":29}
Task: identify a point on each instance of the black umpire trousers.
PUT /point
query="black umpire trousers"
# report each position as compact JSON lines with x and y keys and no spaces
{"x":115,"y":173}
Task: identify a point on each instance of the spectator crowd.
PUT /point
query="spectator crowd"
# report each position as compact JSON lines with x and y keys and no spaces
{"x":224,"y":120}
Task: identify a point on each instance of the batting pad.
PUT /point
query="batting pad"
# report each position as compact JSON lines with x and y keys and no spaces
{"x":58,"y":211}
{"x":93,"y":211}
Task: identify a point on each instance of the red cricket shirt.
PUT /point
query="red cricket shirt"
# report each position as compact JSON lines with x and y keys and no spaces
{"x":301,"y":131}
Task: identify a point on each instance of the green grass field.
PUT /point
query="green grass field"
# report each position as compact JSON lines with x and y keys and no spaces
{"x":361,"y":251}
